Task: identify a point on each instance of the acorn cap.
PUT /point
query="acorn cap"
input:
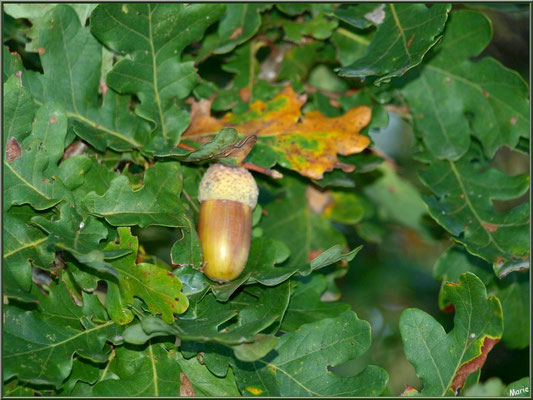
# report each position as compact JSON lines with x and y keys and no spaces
{"x":224,"y":182}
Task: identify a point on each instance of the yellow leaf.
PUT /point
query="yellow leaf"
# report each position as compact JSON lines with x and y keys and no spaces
{"x":308,"y":144}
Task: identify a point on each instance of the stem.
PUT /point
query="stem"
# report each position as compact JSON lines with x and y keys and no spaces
{"x":111,"y":357}
{"x":252,"y":167}
{"x":270,"y":172}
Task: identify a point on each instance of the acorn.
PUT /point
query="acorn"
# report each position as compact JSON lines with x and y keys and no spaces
{"x":227,"y":195}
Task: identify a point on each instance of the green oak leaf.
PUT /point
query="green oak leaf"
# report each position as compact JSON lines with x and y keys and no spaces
{"x":82,"y":175}
{"x":361,"y":16}
{"x":513,"y":293}
{"x":150,"y":371}
{"x":299,"y":365}
{"x":397,"y":199}
{"x":187,"y":251}
{"x":14,"y":388}
{"x":238,"y":24}
{"x":19,"y":110}
{"x":80,"y":237}
{"x":515,"y":299}
{"x":202,"y":321}
{"x":243,"y":64}
{"x":319,"y":28}
{"x":24,"y":247}
{"x":12,"y":63}
{"x":293,"y":9}
{"x":440,"y":359}
{"x":403,"y":37}
{"x":35,"y":14}
{"x":39,"y":344}
{"x":288,"y":219}
{"x":154,"y":35}
{"x":83,"y":372}
{"x":204,"y":383}
{"x":215,"y":356}
{"x":350,"y":45}
{"x":306,"y":305}
{"x":298,"y":61}
{"x":157,"y":202}
{"x":454,"y":262}
{"x":71,"y":59}
{"x":462,"y":204}
{"x":114,"y":127}
{"x":452,"y":97}
{"x":251,"y":352}
{"x":29,"y":174}
{"x":157,"y":287}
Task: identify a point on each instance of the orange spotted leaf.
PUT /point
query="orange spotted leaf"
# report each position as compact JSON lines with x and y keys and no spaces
{"x":308,"y":144}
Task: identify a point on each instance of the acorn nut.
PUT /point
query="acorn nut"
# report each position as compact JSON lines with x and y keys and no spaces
{"x":227,"y":195}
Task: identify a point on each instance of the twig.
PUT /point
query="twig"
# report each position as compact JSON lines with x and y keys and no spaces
{"x":252,"y":167}
{"x":270,"y":172}
{"x":186,"y":146}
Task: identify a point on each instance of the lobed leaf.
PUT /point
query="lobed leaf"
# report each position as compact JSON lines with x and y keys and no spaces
{"x":299,"y":364}
{"x":289,"y":218}
{"x":12,"y":63}
{"x":157,"y":202}
{"x":203,"y":382}
{"x":24,"y":247}
{"x":154,"y":35}
{"x":306,"y":305}
{"x":404,"y":35}
{"x":350,"y":45}
{"x":309,"y":147}
{"x":80,"y":237}
{"x":513,"y":293}
{"x":319,"y":27}
{"x":443,"y":360}
{"x":71,"y":59}
{"x":84,"y":372}
{"x":239,"y":23}
{"x":462,"y":204}
{"x":82,"y":175}
{"x":151,"y":371}
{"x":35,"y":14}
{"x":30,"y":164}
{"x":39,"y":344}
{"x":361,"y":16}
{"x":203,"y":320}
{"x":19,"y":110}
{"x":157,"y":287}
{"x":453,"y":97}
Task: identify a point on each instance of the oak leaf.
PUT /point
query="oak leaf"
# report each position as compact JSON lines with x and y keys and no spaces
{"x":308,"y":144}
